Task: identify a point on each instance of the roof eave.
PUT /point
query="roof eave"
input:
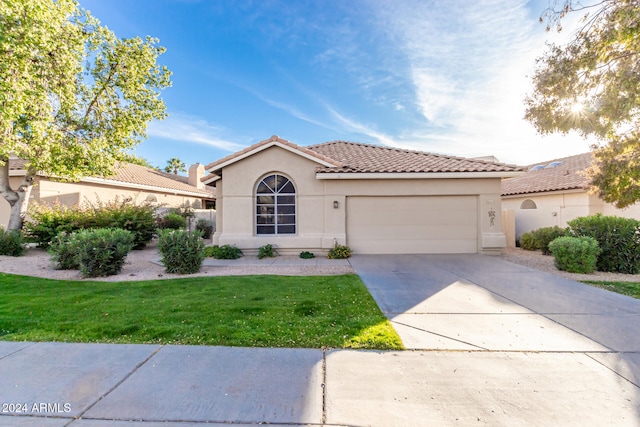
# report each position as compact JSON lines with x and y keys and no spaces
{"x":415,"y":175}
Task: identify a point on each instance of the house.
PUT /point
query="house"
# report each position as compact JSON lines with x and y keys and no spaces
{"x":130,"y":180}
{"x":376,"y":200}
{"x":554,"y":192}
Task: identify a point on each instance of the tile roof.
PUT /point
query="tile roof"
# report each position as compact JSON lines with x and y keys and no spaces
{"x":128,"y":173}
{"x":569,"y":174}
{"x":366,"y":158}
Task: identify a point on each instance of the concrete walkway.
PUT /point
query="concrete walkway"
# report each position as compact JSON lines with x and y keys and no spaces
{"x":494,"y":344}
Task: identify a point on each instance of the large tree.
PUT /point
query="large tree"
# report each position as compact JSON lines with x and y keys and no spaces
{"x":73,"y":97}
{"x":175,"y":166}
{"x":592,"y":85}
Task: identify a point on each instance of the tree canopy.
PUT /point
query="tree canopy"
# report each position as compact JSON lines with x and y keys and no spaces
{"x":73,"y":96}
{"x":175,"y":166}
{"x":592,"y":85}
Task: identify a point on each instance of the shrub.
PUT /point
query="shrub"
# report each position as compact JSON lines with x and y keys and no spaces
{"x":205,"y":227}
{"x":64,"y":252}
{"x":172,"y":221}
{"x":575,"y":254}
{"x":102,"y":251}
{"x":306,"y":255}
{"x":12,"y":242}
{"x":266,"y":251}
{"x":527,"y":242}
{"x":539,"y":239}
{"x":223,"y":252}
{"x":339,"y":252}
{"x":44,"y":222}
{"x":618,"y":238}
{"x":182,"y":251}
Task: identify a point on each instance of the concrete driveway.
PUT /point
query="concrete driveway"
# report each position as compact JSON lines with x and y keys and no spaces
{"x":518,"y":329}
{"x":494,"y":344}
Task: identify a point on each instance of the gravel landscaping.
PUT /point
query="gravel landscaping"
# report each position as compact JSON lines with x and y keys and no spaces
{"x":144,"y":265}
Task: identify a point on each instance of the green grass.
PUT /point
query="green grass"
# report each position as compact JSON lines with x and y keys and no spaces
{"x":249,"y":311}
{"x":631,"y":289}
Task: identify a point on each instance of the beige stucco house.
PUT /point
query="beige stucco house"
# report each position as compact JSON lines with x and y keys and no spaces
{"x":554,"y":192}
{"x":130,"y":180}
{"x":376,"y":200}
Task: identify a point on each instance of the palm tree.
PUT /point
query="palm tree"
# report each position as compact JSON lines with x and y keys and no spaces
{"x":175,"y":165}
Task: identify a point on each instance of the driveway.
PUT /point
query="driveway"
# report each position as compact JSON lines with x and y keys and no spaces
{"x":549,"y":332}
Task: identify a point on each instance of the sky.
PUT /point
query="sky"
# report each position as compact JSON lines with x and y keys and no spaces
{"x":441,"y":76}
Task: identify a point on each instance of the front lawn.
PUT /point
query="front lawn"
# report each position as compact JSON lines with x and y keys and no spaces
{"x":250,"y":311}
{"x":631,"y":289}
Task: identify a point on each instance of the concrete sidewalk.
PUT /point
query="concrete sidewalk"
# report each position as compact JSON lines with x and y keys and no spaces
{"x":96,"y":385}
{"x":494,"y":344}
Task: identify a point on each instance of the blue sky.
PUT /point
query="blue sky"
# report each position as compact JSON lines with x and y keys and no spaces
{"x":443,"y":76}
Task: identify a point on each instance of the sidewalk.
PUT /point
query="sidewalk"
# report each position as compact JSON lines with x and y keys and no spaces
{"x":100,"y":385}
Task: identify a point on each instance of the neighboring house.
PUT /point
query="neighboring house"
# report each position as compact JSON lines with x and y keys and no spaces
{"x":138,"y":182}
{"x":376,"y":200}
{"x":553,"y":193}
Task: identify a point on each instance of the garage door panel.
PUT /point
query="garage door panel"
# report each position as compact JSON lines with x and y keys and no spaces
{"x":434,"y":224}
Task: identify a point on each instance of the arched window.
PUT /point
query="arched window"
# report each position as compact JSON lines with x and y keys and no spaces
{"x":275,"y":205}
{"x":528,"y":204}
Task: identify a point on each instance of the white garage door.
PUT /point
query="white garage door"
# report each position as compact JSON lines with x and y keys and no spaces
{"x":412,"y":225}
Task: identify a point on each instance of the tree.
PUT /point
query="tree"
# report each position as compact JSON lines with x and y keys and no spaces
{"x":73,"y":97}
{"x":175,"y":165}
{"x":592,"y":85}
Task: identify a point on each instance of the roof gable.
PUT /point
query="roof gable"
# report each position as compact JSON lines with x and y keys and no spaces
{"x":566,"y":173}
{"x":274,"y":141}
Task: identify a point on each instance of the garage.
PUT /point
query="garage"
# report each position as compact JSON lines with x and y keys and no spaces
{"x":408,"y":224}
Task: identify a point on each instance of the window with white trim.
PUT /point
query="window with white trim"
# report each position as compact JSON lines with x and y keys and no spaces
{"x":275,"y":205}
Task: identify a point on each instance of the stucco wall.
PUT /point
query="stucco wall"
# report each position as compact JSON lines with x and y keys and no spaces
{"x":556,"y":209}
{"x":319,"y":223}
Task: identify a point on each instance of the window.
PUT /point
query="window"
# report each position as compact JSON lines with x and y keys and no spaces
{"x":528,"y":204}
{"x":275,"y":206}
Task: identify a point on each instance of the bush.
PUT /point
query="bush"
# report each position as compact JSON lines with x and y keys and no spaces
{"x":575,"y":254}
{"x":527,"y":242}
{"x":12,"y":243}
{"x":266,"y":251}
{"x":64,"y":252}
{"x":618,"y":238}
{"x":44,"y":222}
{"x":172,"y":221}
{"x":339,"y":252}
{"x":306,"y":255}
{"x":182,"y":251}
{"x":102,"y":251}
{"x":205,"y":227}
{"x":539,"y":239}
{"x":223,"y":252}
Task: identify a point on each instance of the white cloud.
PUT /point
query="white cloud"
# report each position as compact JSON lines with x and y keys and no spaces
{"x":187,"y":128}
{"x":470,"y":64}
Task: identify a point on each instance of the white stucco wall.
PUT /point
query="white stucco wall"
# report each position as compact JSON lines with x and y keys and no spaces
{"x":559,"y":208}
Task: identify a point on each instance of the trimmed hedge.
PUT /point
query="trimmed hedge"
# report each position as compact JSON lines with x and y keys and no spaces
{"x":182,"y":251}
{"x":575,"y":254}
{"x":618,"y":238}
